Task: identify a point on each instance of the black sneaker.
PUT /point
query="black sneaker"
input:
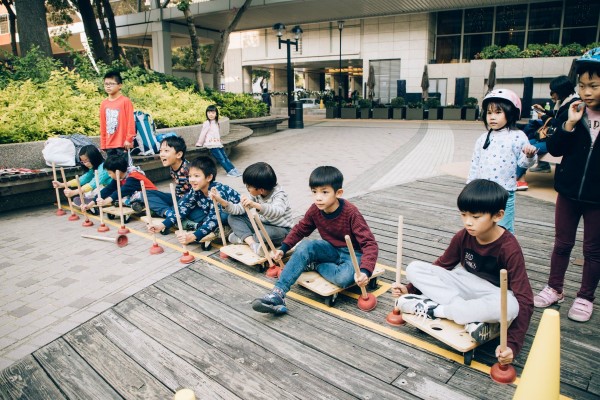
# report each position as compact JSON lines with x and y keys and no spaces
{"x":482,"y":332}
{"x":137,"y":206}
{"x":416,"y":304}
{"x":272,"y":303}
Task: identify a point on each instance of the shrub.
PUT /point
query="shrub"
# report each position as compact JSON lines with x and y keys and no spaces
{"x":365,"y":103}
{"x":236,"y":106}
{"x":416,"y":104}
{"x":471,"y":102}
{"x":398,"y":102}
{"x":432,"y":102}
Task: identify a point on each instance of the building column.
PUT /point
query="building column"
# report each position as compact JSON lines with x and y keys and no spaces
{"x":161,"y":49}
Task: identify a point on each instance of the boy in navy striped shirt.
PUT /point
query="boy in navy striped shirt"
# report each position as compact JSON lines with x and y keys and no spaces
{"x":334,"y":218}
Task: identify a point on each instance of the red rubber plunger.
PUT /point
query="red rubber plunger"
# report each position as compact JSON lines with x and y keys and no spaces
{"x":223,"y":255}
{"x":87,"y":223}
{"x":395,"y":317}
{"x":503,"y":373}
{"x":187,"y":258}
{"x":367,"y":303}
{"x":122,"y":241}
{"x":123,"y":230}
{"x":156,"y":249}
{"x":60,"y":212}
{"x":274,"y":271}
{"x":103,"y":228}
{"x":73,"y":217}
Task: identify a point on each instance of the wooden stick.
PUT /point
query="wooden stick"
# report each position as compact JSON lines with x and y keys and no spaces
{"x":62,"y":173}
{"x":250,"y":213}
{"x":218,"y":214}
{"x":399,"y":252}
{"x":146,"y":204}
{"x":363,"y":290}
{"x":265,"y":235}
{"x":118,"y":175}
{"x":82,"y":198}
{"x":99,"y":198}
{"x":503,"y":300}
{"x":56,"y":180}
{"x":176,"y":209}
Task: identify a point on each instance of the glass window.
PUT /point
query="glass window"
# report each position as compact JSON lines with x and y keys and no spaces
{"x":479,"y":20}
{"x":447,"y":49}
{"x":4,"y":24}
{"x":387,"y":72}
{"x":473,"y":44}
{"x":542,"y":37}
{"x":449,"y":22}
{"x":583,"y":36}
{"x":581,"y":13}
{"x":511,"y":18}
{"x":545,"y":15}
{"x":506,"y":38}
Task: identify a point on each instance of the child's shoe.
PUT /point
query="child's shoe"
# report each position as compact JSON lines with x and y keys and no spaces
{"x":233,"y":239}
{"x":257,"y":249}
{"x":548,"y":297}
{"x":542,"y":166}
{"x":234,"y":173}
{"x":581,"y":310}
{"x":522,"y":185}
{"x":416,"y":304}
{"x":481,"y":332}
{"x":137,"y":206}
{"x":273,"y":303}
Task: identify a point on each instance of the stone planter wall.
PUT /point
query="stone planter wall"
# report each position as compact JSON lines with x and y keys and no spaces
{"x":414,"y":113}
{"x":365,"y":113}
{"x":349,"y":113}
{"x":452,"y":114}
{"x":381,"y":113}
{"x":399,"y":113}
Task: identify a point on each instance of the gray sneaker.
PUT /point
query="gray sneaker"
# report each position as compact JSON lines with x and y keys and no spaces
{"x":482,"y":331}
{"x":273,"y":303}
{"x":233,"y":239}
{"x":542,"y":166}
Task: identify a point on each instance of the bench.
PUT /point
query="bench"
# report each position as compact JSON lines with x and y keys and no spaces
{"x":261,"y":125}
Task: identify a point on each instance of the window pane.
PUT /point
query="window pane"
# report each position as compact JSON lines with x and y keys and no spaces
{"x":449,"y":22}
{"x":473,"y":44}
{"x":581,"y":13}
{"x":479,"y":20}
{"x":516,"y":38}
{"x":4,"y":24}
{"x":583,"y":36}
{"x":511,"y":18}
{"x":541,"y":37}
{"x":447,"y":49}
{"x":545,"y":15}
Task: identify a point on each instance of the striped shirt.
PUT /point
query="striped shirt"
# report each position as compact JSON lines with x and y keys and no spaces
{"x":274,"y":209}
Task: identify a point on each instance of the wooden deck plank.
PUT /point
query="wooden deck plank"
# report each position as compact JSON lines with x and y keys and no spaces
{"x":428,"y":388}
{"x":26,"y":379}
{"x":72,"y":373}
{"x":477,"y":384}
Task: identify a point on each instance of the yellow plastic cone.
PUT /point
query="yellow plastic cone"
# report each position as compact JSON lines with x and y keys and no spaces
{"x":184,"y":394}
{"x":541,"y":377}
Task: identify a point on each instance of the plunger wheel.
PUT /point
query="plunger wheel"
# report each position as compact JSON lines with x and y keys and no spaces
{"x":87,"y":223}
{"x":367,"y":303}
{"x":274,"y":271}
{"x":60,"y":212}
{"x":156,"y":249}
{"x":223,"y":255}
{"x":503,"y":373}
{"x":122,"y":241}
{"x":187,"y":258}
{"x":73,"y":217}
{"x":395,"y":318}
{"x":103,"y":228}
{"x":123,"y":230}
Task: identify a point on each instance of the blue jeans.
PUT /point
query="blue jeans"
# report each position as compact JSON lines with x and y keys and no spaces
{"x":542,"y":149}
{"x":242,"y":227}
{"x":219,"y":154}
{"x":509,"y":214}
{"x":160,"y":202}
{"x":334,"y":264}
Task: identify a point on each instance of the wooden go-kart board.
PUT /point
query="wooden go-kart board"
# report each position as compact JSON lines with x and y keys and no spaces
{"x":244,"y":254}
{"x":447,"y":332}
{"x":113,"y":212}
{"x":155,"y":221}
{"x":314,"y":282}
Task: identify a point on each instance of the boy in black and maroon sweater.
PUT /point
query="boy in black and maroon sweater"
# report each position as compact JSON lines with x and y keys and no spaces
{"x":334,"y":218}
{"x":463,"y":284}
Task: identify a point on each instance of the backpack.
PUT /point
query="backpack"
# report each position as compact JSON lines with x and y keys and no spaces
{"x":145,"y":133}
{"x":59,"y":151}
{"x":79,"y":141}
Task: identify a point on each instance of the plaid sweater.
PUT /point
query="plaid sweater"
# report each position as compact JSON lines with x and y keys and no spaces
{"x":346,"y":220}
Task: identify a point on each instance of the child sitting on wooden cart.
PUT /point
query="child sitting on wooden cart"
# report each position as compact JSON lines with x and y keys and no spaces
{"x":463,"y":284}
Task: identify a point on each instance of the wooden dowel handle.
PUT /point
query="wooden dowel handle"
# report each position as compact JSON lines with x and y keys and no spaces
{"x":219,"y":222}
{"x":399,"y":249}
{"x":118,"y":176}
{"x":250,"y":212}
{"x":355,"y":264}
{"x":266,"y":235}
{"x":503,"y":300}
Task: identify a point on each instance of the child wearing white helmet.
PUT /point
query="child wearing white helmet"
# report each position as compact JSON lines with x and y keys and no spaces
{"x":498,"y":152}
{"x":577,"y":181}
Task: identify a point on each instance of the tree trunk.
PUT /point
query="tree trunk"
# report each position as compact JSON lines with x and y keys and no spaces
{"x":91,"y":30}
{"x":221,"y":47}
{"x":185,"y":7}
{"x":32,"y":26}
{"x":12,"y":26}
{"x":112,"y":26}
{"x":102,"y":23}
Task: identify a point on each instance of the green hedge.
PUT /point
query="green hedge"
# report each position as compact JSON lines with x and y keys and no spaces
{"x":534,"y":50}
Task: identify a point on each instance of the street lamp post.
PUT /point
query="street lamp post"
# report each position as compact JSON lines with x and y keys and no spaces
{"x":297,"y":31}
{"x":341,"y":87}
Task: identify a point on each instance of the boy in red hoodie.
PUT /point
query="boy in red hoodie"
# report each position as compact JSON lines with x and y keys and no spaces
{"x":117,"y":124}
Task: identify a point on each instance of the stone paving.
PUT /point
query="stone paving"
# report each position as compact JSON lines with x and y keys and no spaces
{"x":52,"y":280}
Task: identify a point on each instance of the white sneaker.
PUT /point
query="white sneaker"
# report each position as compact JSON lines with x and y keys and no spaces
{"x":416,"y":304}
{"x":233,"y":239}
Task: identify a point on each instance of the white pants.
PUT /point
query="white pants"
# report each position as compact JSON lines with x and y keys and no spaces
{"x":465,"y":297}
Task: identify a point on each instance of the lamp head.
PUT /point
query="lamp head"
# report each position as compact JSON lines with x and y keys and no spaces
{"x":280,"y":28}
{"x":297,"y":31}
{"x":340,"y":25}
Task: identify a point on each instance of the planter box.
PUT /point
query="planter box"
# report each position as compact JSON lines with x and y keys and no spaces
{"x":381,"y":113}
{"x":331,"y":112}
{"x":365,"y":113}
{"x":349,"y":113}
{"x":414,"y":113}
{"x":433,"y":113}
{"x":399,"y":113}
{"x":471,"y":114}
{"x":452,"y":114}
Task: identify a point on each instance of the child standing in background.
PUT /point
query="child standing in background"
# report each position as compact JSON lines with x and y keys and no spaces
{"x":210,"y":138}
{"x":117,"y":125}
{"x":498,"y":153}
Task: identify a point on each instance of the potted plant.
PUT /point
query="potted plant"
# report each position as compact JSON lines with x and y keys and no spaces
{"x":365,"y":108}
{"x":452,"y":112}
{"x":349,"y":111}
{"x":414,"y":110}
{"x":381,"y":111}
{"x":398,"y":108}
{"x":331,"y":109}
{"x":470,"y":109}
{"x":433,"y":105}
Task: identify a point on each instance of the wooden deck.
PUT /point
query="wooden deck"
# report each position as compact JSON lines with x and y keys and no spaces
{"x":196,"y":328}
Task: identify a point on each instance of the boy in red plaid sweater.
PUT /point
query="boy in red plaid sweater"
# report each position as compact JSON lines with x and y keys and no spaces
{"x":334,"y":218}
